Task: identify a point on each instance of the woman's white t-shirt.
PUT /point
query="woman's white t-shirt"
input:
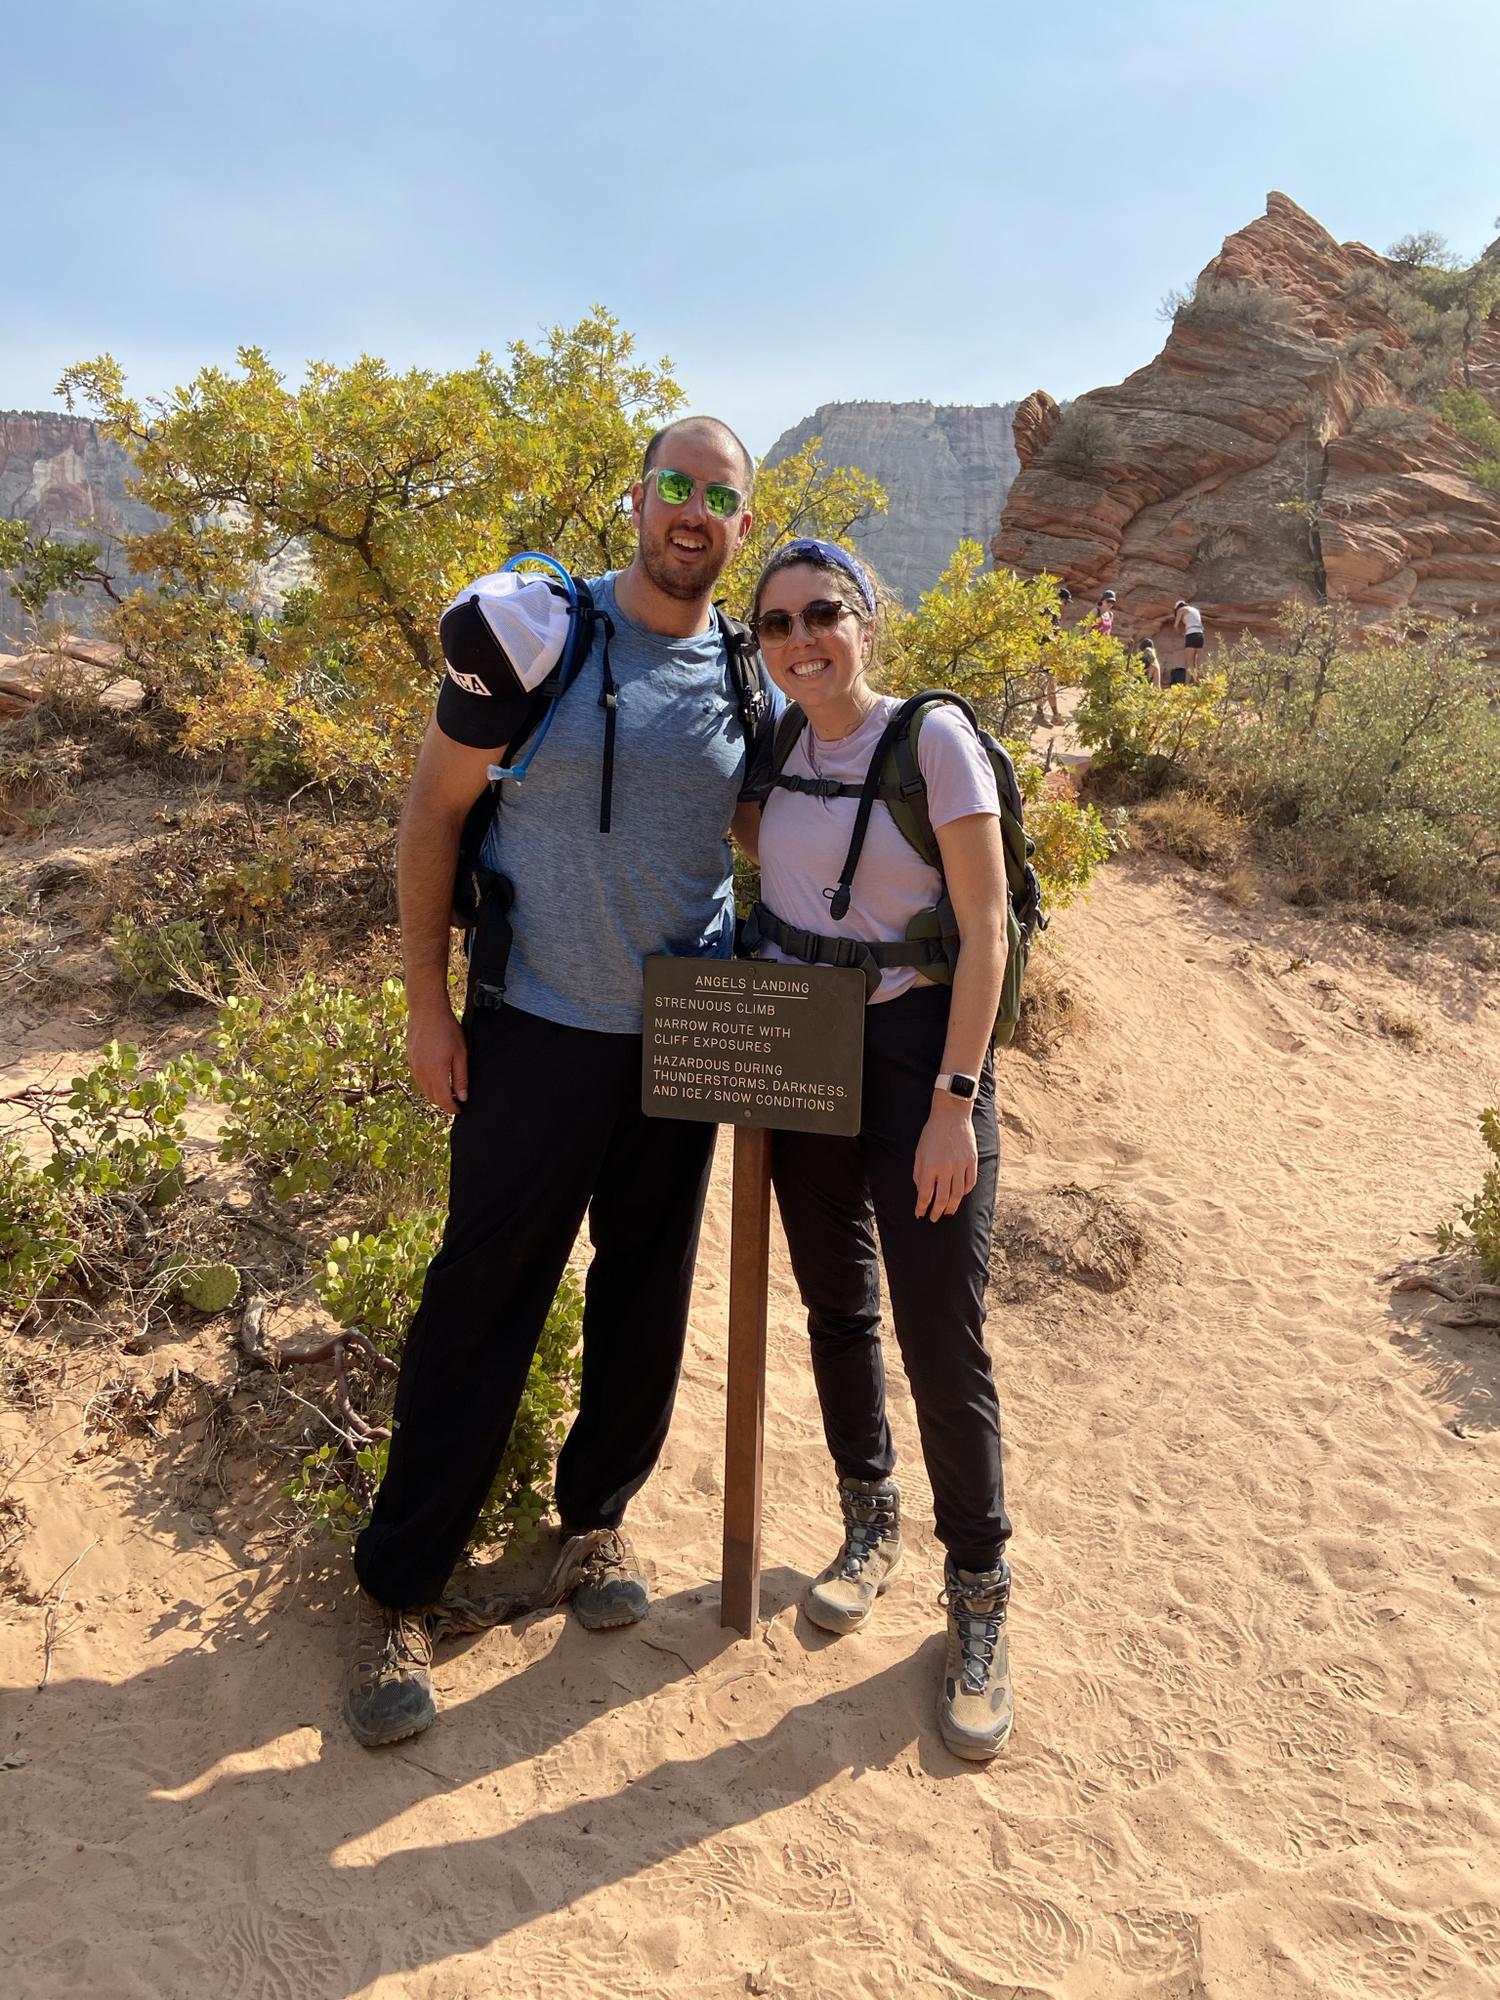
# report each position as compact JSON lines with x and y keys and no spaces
{"x":803,"y":840}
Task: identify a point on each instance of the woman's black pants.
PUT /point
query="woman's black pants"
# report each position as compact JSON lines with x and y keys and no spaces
{"x":834,"y":1194}
{"x":552,"y":1131}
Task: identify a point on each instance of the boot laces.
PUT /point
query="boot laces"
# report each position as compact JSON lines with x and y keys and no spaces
{"x":391,"y":1641}
{"x":978,"y":1609}
{"x":592,"y":1557}
{"x":869,"y":1520}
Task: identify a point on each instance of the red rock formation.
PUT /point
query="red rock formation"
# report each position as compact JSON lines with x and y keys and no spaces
{"x":1182,"y":490}
{"x":1036,"y":420}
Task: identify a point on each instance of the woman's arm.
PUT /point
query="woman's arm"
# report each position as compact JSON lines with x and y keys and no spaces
{"x":947,"y":1162}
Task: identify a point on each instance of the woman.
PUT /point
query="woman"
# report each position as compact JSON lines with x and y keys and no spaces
{"x":923,"y":1167}
{"x":1104,"y":614}
{"x":1188,"y":620}
{"x":1150,"y":664}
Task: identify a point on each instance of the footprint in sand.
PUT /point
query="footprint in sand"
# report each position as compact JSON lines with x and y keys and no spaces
{"x":1153,"y":1944}
{"x":1475,"y":1929}
{"x":262,"y":1953}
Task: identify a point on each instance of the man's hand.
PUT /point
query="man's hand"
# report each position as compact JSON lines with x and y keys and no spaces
{"x":439,"y":1057}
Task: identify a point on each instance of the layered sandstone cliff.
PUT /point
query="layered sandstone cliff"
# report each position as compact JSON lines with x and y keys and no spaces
{"x":65,"y":479}
{"x":946,"y":472}
{"x":1174,"y":483}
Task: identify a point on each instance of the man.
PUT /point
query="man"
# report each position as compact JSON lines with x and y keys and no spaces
{"x":545,"y":1088}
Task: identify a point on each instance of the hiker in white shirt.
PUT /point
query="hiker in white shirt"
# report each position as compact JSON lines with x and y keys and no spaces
{"x":1188,"y":620}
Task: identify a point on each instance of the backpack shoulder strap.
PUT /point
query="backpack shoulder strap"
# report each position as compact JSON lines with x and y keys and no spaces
{"x":788,"y":733}
{"x":877,"y":785}
{"x":747,"y":674}
{"x":907,"y":788}
{"x":538,"y":716}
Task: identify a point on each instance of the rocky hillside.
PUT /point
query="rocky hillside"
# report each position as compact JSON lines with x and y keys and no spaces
{"x":946,"y":470}
{"x":1171,"y":484}
{"x":64,"y":478}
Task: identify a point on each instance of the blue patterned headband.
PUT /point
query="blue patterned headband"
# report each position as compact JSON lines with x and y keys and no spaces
{"x":830,"y":552}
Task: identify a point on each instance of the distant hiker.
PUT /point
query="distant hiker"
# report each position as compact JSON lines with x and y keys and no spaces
{"x":1188,"y":620}
{"x":1104,"y":614}
{"x":619,"y":850}
{"x":1150,"y":664}
{"x":1048,"y":692}
{"x":929,"y":1123}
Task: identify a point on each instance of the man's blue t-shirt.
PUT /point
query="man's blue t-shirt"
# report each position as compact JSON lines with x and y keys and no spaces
{"x":590,"y":907}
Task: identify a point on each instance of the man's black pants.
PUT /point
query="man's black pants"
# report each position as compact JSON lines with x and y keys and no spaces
{"x":552,"y":1130}
{"x":832,"y":1194}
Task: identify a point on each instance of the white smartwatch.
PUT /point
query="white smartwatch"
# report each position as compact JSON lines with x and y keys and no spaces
{"x":957,"y":1084}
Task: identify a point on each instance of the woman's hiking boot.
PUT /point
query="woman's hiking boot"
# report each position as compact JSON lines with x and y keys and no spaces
{"x":598,"y":1574}
{"x":843,"y":1597}
{"x":388,"y":1692}
{"x":976,"y":1710}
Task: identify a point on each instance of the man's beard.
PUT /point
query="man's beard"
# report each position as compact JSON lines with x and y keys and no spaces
{"x":674,"y":581}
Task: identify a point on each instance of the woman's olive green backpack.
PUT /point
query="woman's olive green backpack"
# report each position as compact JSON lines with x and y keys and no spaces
{"x":895,"y":778}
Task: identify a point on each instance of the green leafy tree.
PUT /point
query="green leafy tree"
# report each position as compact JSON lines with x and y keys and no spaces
{"x":1470,"y":415}
{"x":40,"y":567}
{"x":800,"y":496}
{"x":390,"y":491}
{"x":989,"y":635}
{"x":384,"y":494}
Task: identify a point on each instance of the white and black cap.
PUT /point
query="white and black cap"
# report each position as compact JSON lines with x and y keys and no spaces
{"x":525,"y":616}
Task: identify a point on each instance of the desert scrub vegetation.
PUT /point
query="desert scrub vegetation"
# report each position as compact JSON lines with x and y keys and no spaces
{"x":1086,"y":440}
{"x":1471,"y":416}
{"x":1368,"y":766}
{"x":239,"y":893}
{"x":1052,"y":1011}
{"x":1478,"y":1224}
{"x":1228,"y":302}
{"x":1191,"y":826}
{"x":345,"y":1162}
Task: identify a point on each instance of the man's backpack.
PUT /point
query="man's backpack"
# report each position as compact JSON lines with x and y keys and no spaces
{"x":576,"y":603}
{"x":895,"y":779}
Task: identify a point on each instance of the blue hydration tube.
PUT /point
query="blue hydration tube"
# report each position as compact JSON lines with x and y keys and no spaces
{"x":569,"y":664}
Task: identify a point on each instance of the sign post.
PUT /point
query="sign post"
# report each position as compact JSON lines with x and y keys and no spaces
{"x":764,"y":1048}
{"x":745,"y":1394}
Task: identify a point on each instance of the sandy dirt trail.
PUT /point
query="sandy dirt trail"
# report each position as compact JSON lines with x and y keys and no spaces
{"x":1257,"y":1750}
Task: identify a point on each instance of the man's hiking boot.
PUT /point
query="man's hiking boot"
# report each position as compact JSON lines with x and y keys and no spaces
{"x":844,"y":1595}
{"x":388,"y":1692}
{"x":598,"y":1574}
{"x":976,"y":1711}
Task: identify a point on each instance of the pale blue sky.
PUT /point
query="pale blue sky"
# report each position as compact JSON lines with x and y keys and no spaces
{"x":798,"y":203}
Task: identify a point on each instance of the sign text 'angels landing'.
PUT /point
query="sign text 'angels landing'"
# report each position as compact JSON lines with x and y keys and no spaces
{"x":742,"y":1042}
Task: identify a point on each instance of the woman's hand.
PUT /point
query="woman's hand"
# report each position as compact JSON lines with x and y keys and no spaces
{"x":947,"y":1162}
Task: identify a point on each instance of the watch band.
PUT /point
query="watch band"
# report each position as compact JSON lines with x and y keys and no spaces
{"x":957,"y":1084}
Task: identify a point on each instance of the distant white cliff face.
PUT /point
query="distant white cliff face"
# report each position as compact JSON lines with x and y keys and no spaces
{"x":945,"y":469}
{"x":65,"y":479}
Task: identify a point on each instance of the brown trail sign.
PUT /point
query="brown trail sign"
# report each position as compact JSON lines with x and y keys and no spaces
{"x":764,"y":1048}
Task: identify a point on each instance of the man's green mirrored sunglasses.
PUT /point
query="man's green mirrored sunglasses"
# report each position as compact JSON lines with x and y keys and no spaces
{"x":677,"y":488}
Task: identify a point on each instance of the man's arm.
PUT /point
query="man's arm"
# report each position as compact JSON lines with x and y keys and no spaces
{"x":744,"y":828}
{"x":448,"y":779}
